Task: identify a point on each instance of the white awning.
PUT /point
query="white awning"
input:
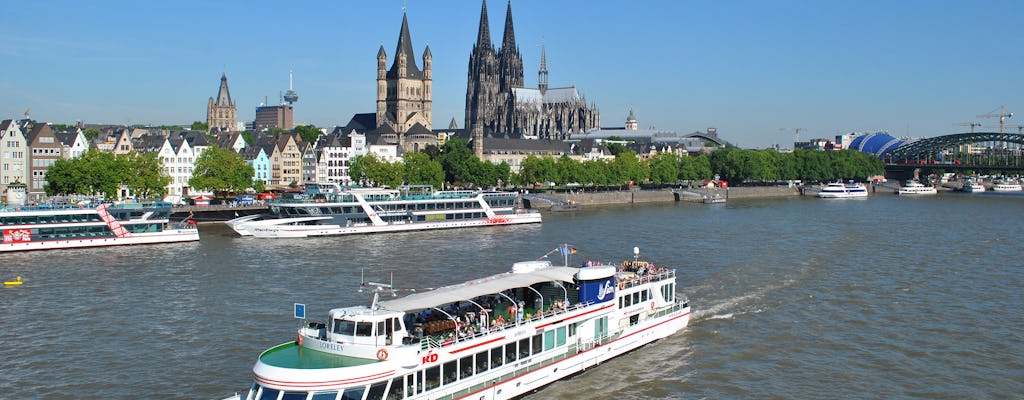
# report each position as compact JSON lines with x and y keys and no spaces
{"x":476,"y":288}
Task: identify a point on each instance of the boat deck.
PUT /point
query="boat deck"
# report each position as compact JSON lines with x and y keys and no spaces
{"x":291,"y":355}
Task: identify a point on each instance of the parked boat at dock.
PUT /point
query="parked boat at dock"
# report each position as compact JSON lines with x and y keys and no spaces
{"x":1006,"y":185}
{"x":329,"y":210}
{"x":914,"y":188}
{"x":839,"y":190}
{"x":47,"y":226}
{"x":973,"y":187}
{"x":497,"y":337}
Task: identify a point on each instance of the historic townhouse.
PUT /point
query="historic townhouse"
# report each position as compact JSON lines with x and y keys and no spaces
{"x":13,"y":155}
{"x":45,"y":149}
{"x":221,"y":114}
{"x":74,"y":141}
{"x":260,"y":162}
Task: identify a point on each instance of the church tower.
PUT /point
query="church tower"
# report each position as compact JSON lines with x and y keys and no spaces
{"x":404,"y":91}
{"x":221,"y":114}
{"x":482,"y":82}
{"x":510,"y":63}
{"x":542,"y":73}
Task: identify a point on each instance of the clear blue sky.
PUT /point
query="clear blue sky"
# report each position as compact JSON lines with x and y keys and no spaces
{"x":748,"y":68}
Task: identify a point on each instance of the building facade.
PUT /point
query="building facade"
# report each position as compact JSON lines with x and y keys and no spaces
{"x":13,"y":155}
{"x":45,"y":149}
{"x":498,"y":104}
{"x":221,"y":113}
{"x":279,"y":116}
{"x":404,"y":92}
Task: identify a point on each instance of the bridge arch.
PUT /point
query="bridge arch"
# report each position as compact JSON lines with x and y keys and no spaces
{"x":952,"y":144}
{"x":706,"y":138}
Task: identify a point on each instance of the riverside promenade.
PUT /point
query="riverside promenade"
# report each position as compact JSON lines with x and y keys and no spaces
{"x":637,"y":195}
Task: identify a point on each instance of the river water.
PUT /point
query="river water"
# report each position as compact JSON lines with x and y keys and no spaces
{"x":887,"y":297}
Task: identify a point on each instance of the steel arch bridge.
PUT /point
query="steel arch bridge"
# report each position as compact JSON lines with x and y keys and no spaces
{"x":927,"y":148}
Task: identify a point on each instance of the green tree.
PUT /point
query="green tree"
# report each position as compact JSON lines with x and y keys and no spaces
{"x":455,"y":159}
{"x":309,"y":133}
{"x":200,"y":126}
{"x":221,"y":171}
{"x":615,"y":148}
{"x":148,"y":180}
{"x":571,"y":170}
{"x":91,"y":134}
{"x":248,"y":137}
{"x":372,"y":171}
{"x":626,"y":167}
{"x":419,"y":169}
{"x":665,"y":168}
{"x":695,"y":168}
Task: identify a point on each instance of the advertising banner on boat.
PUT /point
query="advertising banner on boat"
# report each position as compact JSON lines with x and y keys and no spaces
{"x":17,"y":235}
{"x":597,"y":291}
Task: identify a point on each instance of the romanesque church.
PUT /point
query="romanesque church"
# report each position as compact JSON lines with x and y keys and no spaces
{"x":498,"y":104}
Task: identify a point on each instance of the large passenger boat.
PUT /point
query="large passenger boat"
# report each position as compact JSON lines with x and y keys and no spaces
{"x":498,"y":337}
{"x":839,"y":190}
{"x":1006,"y":185}
{"x":328,"y":210}
{"x":48,"y":226}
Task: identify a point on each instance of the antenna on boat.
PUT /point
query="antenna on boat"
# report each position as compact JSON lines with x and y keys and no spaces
{"x":378,"y":287}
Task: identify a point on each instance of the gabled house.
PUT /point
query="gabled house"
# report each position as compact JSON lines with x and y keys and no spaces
{"x":13,"y":155}
{"x":260,"y":162}
{"x":44,"y":150}
{"x":74,"y":141}
{"x":308,"y":161}
{"x":230,"y":140}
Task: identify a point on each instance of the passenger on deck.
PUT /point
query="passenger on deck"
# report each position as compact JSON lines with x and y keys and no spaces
{"x":519,"y":312}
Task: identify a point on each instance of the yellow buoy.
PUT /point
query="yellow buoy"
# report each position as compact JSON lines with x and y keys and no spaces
{"x":15,"y":282}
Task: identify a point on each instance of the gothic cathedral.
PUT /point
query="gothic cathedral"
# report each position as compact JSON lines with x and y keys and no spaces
{"x":498,"y":104}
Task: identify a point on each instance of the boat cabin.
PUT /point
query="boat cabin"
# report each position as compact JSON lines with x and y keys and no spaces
{"x":363,"y":326}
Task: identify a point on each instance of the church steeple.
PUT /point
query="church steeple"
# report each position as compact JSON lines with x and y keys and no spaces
{"x":483,"y":36}
{"x":224,"y":95}
{"x":405,"y":58}
{"x":509,"y":38}
{"x":542,"y":74}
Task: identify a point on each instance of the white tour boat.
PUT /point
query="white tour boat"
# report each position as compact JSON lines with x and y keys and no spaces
{"x":913,"y":187}
{"x":498,"y":337}
{"x":48,"y":226}
{"x":839,"y":190}
{"x":1006,"y":185}
{"x":327,"y":210}
{"x":973,"y":187}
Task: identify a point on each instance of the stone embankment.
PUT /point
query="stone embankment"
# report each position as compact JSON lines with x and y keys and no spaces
{"x":636,"y":195}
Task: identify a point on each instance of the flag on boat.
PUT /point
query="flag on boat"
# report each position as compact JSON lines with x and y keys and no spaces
{"x":566,"y":250}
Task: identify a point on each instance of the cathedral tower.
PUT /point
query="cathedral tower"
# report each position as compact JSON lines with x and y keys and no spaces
{"x":221,"y":114}
{"x":482,"y":83}
{"x":404,"y":92}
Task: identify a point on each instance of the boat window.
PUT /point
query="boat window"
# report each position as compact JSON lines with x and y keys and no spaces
{"x":537,"y":343}
{"x":481,"y":361}
{"x":344,"y":327}
{"x":269,"y":394}
{"x":450,"y":372}
{"x":377,"y":391}
{"x":496,"y":359}
{"x":636,"y":297}
{"x":432,"y":378}
{"x":364,"y":328}
{"x":643,"y":295}
{"x":397,"y":390}
{"x":524,"y":348}
{"x":560,"y":337}
{"x":294,"y":396}
{"x":572,"y":330}
{"x":353,"y":394}
{"x":510,"y":352}
{"x":549,"y":340}
{"x":466,"y":367}
{"x":324,"y":396}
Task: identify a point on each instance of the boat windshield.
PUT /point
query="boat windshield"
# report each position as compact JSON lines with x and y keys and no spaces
{"x":344,"y":327}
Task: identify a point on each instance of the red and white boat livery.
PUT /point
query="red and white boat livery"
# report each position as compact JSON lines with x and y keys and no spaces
{"x":497,"y":337}
{"x":47,"y":226}
{"x":328,"y":210}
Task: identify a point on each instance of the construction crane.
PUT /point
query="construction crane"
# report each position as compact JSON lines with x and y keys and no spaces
{"x":1002,"y":117}
{"x":970,"y":124}
{"x":796,"y":131}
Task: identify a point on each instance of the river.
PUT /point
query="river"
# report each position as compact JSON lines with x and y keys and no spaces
{"x":794,"y":297}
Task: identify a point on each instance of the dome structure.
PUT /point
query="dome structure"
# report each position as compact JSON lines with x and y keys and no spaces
{"x":876,"y":143}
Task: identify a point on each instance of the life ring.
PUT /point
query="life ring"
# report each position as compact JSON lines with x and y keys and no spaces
{"x":622,"y":285}
{"x":299,"y":340}
{"x":382,"y":354}
{"x":652,"y":305}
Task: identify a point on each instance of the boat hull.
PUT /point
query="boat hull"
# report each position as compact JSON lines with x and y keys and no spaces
{"x":281,"y":229}
{"x":167,"y":236}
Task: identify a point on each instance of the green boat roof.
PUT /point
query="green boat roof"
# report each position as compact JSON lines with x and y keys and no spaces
{"x":291,"y":355}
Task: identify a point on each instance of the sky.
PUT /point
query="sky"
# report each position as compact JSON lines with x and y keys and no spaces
{"x":755,"y":70}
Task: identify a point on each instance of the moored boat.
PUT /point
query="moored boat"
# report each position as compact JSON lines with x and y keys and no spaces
{"x":913,"y":187}
{"x":47,"y":226}
{"x":497,"y":337}
{"x":972,"y":186}
{"x":839,"y":190}
{"x":1006,"y":185}
{"x":328,"y":210}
